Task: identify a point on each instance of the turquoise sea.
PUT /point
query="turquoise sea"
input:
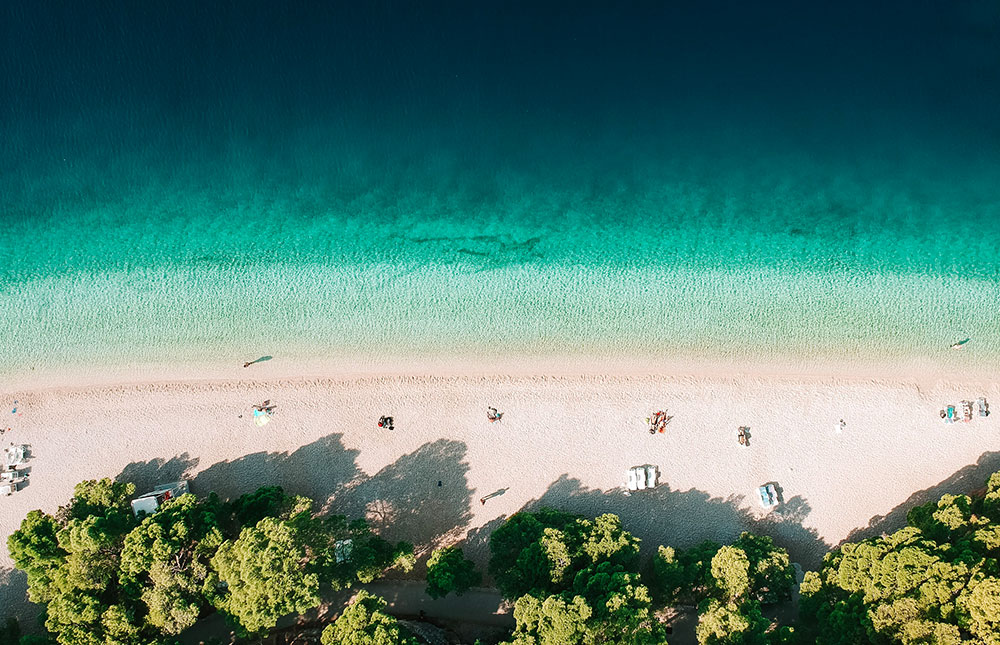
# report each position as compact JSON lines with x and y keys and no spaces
{"x":182,"y":183}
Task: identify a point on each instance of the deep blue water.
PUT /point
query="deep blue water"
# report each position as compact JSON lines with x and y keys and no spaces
{"x":554,"y":149}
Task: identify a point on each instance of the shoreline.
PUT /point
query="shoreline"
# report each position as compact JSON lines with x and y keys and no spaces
{"x":917,"y":371}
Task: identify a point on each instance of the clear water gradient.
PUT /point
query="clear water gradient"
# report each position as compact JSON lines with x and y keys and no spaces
{"x":181,"y":183}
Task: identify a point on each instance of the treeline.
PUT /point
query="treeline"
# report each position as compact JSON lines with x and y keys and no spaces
{"x":107,"y":579}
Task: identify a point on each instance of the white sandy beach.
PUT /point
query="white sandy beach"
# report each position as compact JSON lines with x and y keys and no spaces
{"x":564,"y":441}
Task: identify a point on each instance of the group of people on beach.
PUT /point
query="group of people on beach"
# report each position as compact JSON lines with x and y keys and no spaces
{"x":658,"y":422}
{"x":491,"y":413}
{"x":266,"y":407}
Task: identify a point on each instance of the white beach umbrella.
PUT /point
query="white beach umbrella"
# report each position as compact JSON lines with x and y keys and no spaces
{"x":261,"y":418}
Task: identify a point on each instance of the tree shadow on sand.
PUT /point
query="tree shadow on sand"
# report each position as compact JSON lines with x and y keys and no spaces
{"x":673,"y":518}
{"x":147,"y":474}
{"x":402,"y":501}
{"x":14,"y":597}
{"x":318,"y":470}
{"x":966,"y":480}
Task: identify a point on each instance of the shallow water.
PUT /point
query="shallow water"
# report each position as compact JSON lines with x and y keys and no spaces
{"x":183,"y":184}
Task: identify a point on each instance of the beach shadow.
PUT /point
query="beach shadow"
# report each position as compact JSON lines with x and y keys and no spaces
{"x":476,"y":546}
{"x":966,"y":480}
{"x":148,"y":474}
{"x":404,"y":500}
{"x":683,"y":519}
{"x":14,"y":597}
{"x":318,"y":470}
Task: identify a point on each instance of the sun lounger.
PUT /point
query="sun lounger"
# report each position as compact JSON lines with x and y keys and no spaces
{"x":640,"y":477}
{"x":984,"y":407}
{"x":966,"y":411}
{"x":768,"y":496}
{"x":949,"y":414}
{"x":15,"y":455}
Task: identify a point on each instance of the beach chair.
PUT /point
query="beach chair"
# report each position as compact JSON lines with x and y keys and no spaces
{"x":984,"y":407}
{"x":630,"y":480}
{"x":949,"y":414}
{"x":650,"y":476}
{"x":768,"y":496}
{"x":966,"y":411}
{"x":15,"y":455}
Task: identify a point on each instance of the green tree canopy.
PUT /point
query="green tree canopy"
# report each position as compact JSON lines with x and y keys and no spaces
{"x":449,"y":571}
{"x":552,"y":621}
{"x":753,"y":565}
{"x":731,"y":571}
{"x":577,"y":579}
{"x":267,"y":574}
{"x":364,"y":623}
{"x":684,"y":575}
{"x":72,"y":560}
{"x":165,"y":561}
{"x":728,"y":623}
{"x":541,"y":552}
{"x":935,"y":581}
{"x":108,"y":579}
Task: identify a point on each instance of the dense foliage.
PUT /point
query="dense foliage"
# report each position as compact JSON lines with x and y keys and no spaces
{"x":935,"y":581}
{"x":364,"y":623}
{"x":107,"y":578}
{"x":449,"y":571}
{"x":728,"y":583}
{"x":574,"y":580}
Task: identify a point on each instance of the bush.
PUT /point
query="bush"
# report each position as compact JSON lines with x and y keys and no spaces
{"x":448,"y":571}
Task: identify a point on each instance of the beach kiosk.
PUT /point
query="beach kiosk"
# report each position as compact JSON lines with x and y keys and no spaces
{"x":149,"y":502}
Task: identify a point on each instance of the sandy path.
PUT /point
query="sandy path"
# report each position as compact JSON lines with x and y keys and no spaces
{"x":565,"y":442}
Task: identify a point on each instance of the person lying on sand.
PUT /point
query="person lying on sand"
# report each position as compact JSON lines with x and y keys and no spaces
{"x":493,"y":415}
{"x":266,"y":406}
